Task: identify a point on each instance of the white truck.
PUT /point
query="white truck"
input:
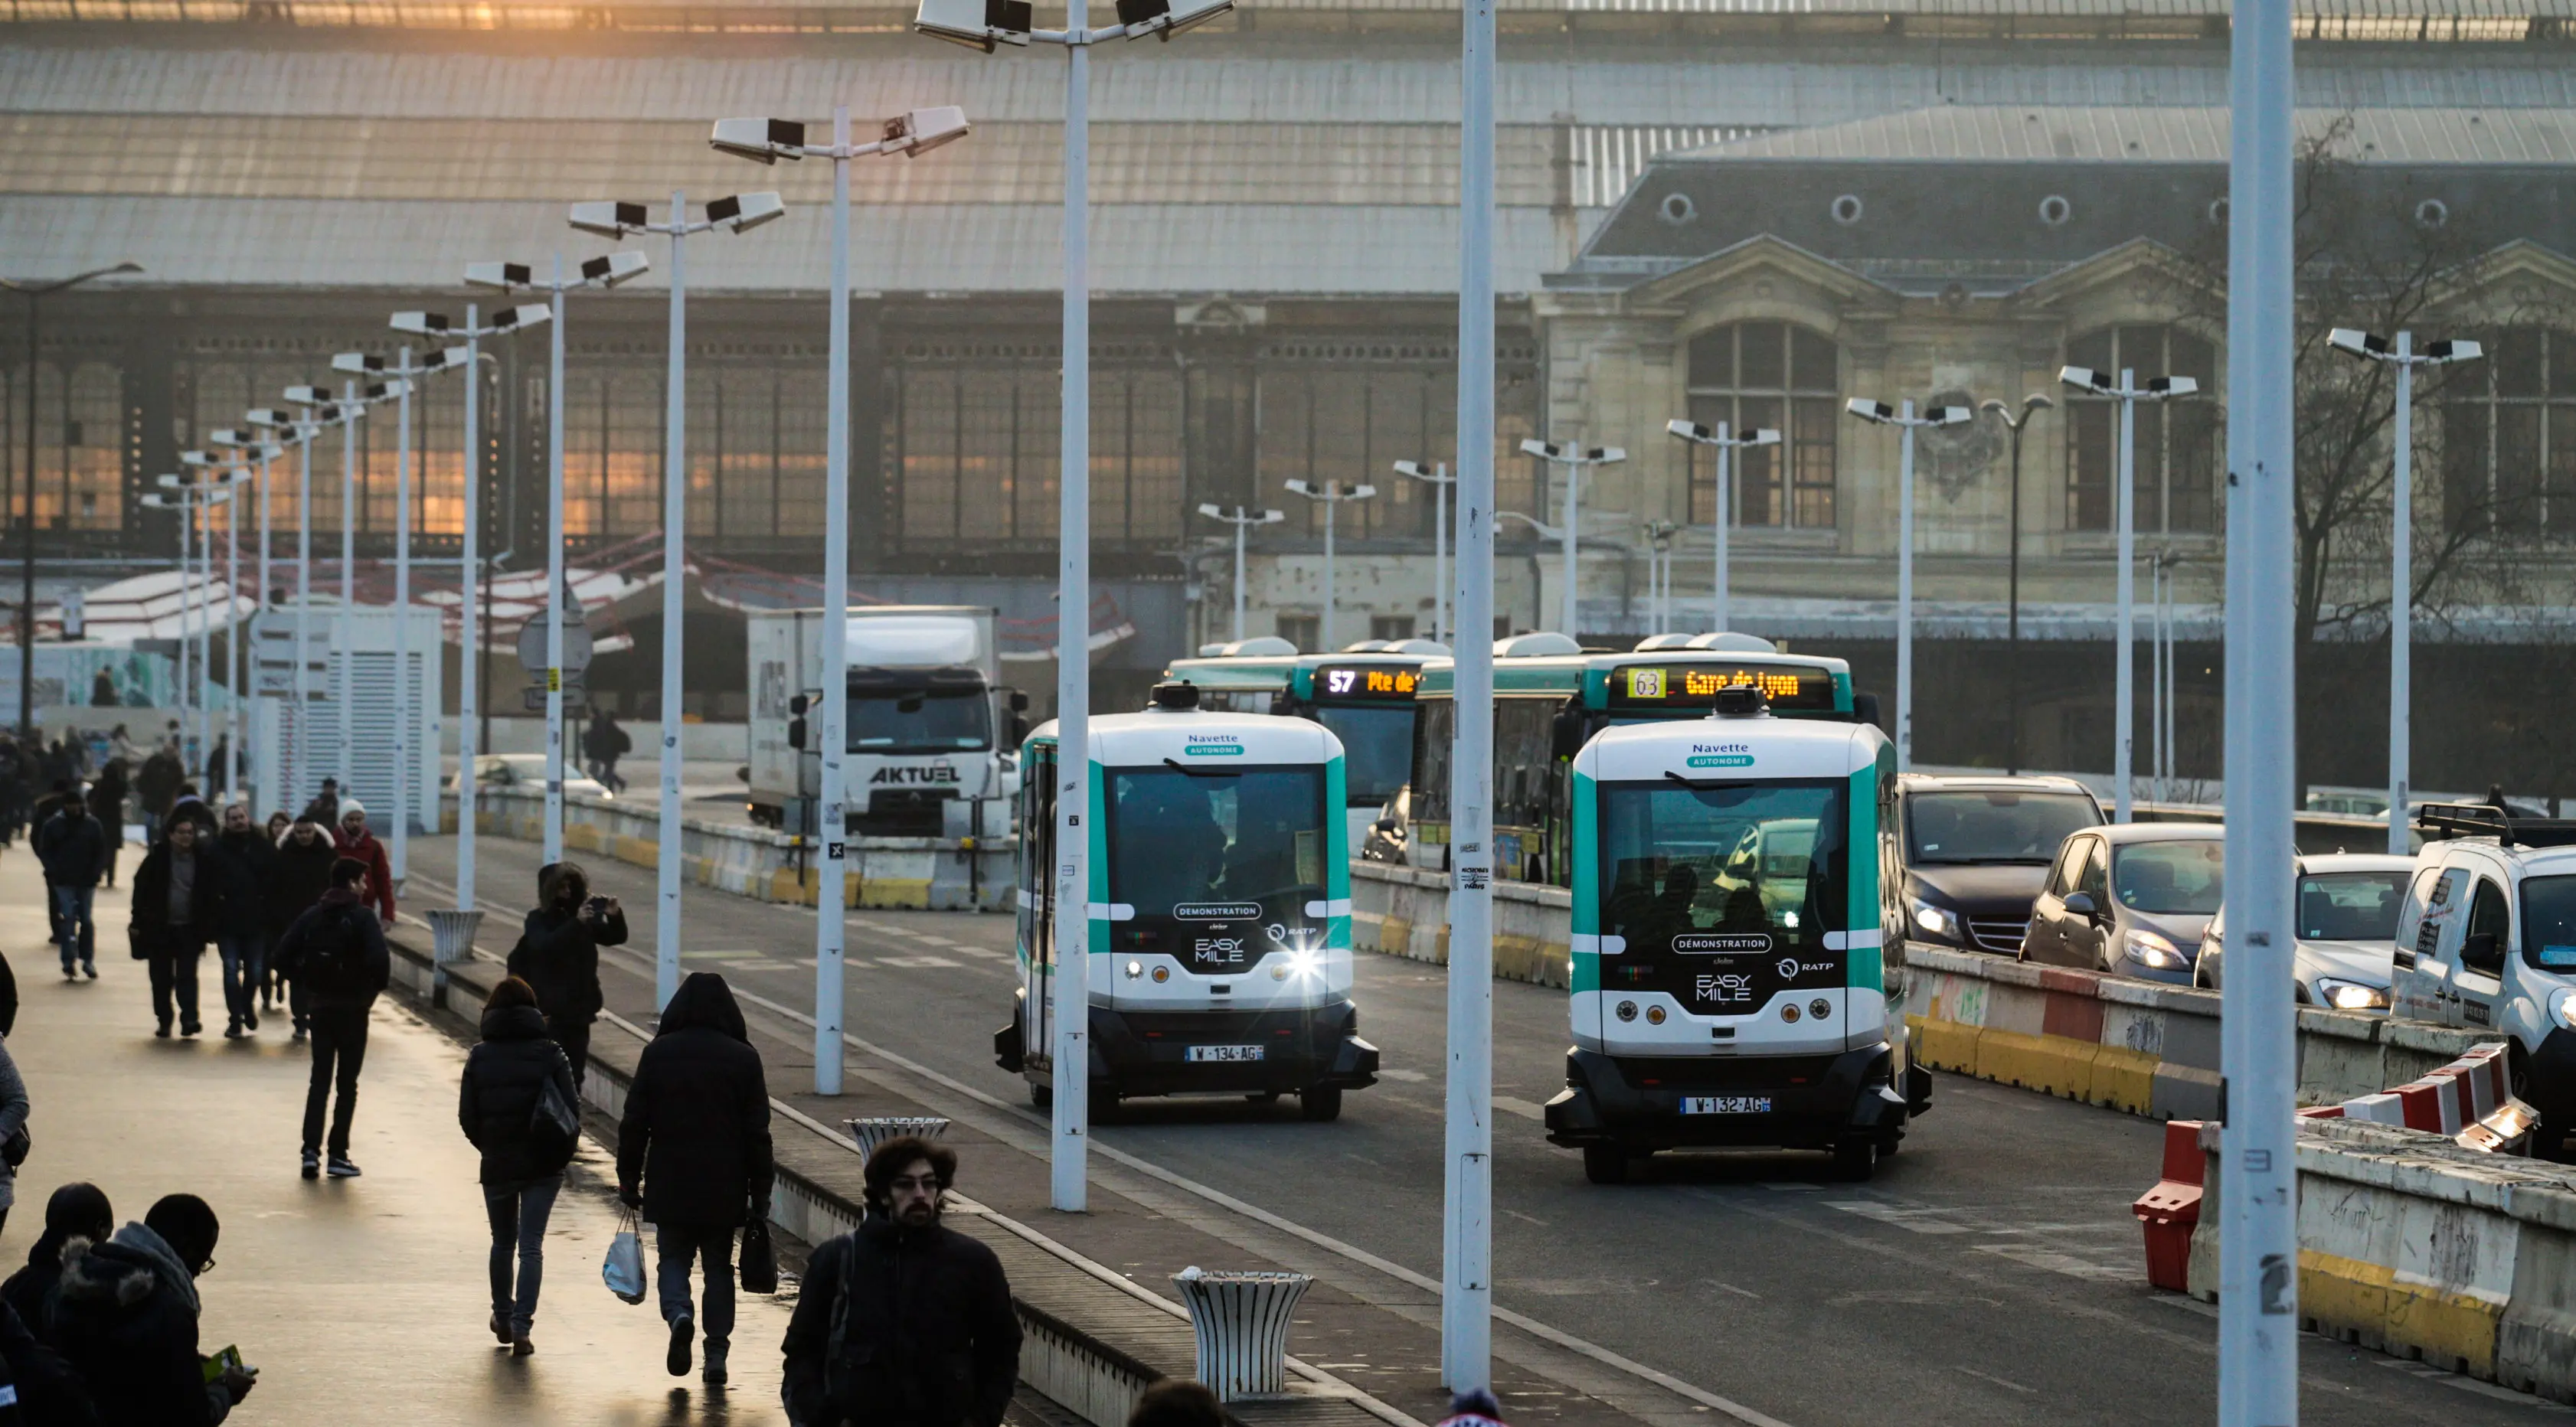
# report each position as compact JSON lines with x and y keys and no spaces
{"x":932,"y":736}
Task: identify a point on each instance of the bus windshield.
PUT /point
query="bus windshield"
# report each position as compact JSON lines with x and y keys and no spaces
{"x":1993,"y":827}
{"x":1377,"y":749}
{"x":1177,"y":838}
{"x":926,"y":721}
{"x":1750,"y":859}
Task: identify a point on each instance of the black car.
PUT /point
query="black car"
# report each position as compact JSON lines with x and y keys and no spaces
{"x":1976,"y":850}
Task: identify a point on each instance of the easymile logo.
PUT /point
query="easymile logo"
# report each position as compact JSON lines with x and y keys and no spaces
{"x":1719,"y":943}
{"x":1216,"y":911}
{"x":1726,"y":988}
{"x":1225,"y":949}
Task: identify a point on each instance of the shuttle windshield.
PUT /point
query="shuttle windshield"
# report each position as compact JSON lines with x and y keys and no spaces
{"x":1219,"y":868}
{"x":1762,"y":862}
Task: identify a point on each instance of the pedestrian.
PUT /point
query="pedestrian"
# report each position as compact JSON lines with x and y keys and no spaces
{"x":78,"y":1210}
{"x":606,"y":742}
{"x":188,"y":803}
{"x":75,"y":851}
{"x":107,"y":804}
{"x":325,"y":807}
{"x":155,"y":784}
{"x":102,"y":693}
{"x":250,"y":868}
{"x":558,"y":954}
{"x":506,"y":1079}
{"x":337,"y":950}
{"x":45,"y":1390}
{"x":13,"y":1128}
{"x":304,"y":858}
{"x":1475,"y":1407}
{"x":693,"y":1155}
{"x":121,"y":747}
{"x":219,"y":765}
{"x":276,"y":826}
{"x":178,"y":904}
{"x":126,"y":1319}
{"x":903,"y":1310}
{"x":1176,"y":1402}
{"x":356,"y":842}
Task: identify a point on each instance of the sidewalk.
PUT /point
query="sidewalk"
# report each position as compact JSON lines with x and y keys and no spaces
{"x":353,"y":1297}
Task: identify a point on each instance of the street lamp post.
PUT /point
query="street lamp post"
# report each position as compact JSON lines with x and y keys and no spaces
{"x":767,"y":141}
{"x":253,"y":445}
{"x":1659,"y":578}
{"x":1721,"y":616}
{"x":1330,"y":495}
{"x":2128,"y":391}
{"x":299,"y":430}
{"x":199,"y":497}
{"x":2401,"y":354}
{"x":1242,"y":520}
{"x":1438,"y":478}
{"x":736,"y":214}
{"x":1902,"y":417}
{"x":1575,"y":459}
{"x":35,"y":293}
{"x":469,"y":692}
{"x":2014,"y":424}
{"x":603,"y":272}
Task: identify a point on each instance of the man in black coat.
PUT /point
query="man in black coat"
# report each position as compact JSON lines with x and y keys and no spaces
{"x":250,"y":869}
{"x":75,"y":851}
{"x":693,"y":1154}
{"x":905,"y":1323}
{"x":336,"y":951}
{"x":305,"y":857}
{"x":125,"y":1317}
{"x":558,"y":954}
{"x":178,"y":902}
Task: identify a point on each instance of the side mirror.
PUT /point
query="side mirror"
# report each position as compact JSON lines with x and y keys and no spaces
{"x":1019,"y":700}
{"x":796,"y":731}
{"x":1565,"y":733}
{"x":2479,"y":952}
{"x":1865,"y":709}
{"x":796,"y":705}
{"x":2081,"y":904}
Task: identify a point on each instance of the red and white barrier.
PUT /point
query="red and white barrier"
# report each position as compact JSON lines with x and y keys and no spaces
{"x":2449,"y":1101}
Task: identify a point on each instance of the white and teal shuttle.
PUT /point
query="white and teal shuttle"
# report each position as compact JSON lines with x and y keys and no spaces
{"x":1738,"y":974}
{"x":1220,"y":909}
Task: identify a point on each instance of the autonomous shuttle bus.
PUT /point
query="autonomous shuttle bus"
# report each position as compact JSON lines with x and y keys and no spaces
{"x":1364,"y":694}
{"x":1738,"y":968}
{"x":1220,"y":910}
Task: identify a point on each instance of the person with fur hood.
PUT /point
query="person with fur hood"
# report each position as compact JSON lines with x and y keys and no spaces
{"x":558,"y":954}
{"x":125,"y":1318}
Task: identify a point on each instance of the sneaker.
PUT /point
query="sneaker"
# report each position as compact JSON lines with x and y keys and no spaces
{"x":713,"y":1374}
{"x":250,"y":1020}
{"x":684,"y":1329}
{"x":68,"y":973}
{"x":90,"y":970}
{"x":233,"y":1031}
{"x":312,"y":1164}
{"x":190,"y":1028}
{"x":162,"y":1031}
{"x":341,"y":1168}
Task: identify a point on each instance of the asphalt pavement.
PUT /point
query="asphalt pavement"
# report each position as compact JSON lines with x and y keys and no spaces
{"x":1990,"y":1274}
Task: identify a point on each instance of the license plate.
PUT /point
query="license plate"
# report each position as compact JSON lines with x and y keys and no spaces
{"x":1222,"y":1053}
{"x":1726,"y":1104}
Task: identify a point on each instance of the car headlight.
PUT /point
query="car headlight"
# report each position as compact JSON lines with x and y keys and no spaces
{"x":1938,"y":923}
{"x":2562,"y":1007}
{"x":2351,"y":995}
{"x":2152,"y":949}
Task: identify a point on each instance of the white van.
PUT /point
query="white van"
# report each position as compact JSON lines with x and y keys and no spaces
{"x":2487,"y":938}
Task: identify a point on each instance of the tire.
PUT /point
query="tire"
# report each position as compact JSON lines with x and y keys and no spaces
{"x":1856,"y":1158}
{"x":1321,"y":1105}
{"x":1605,"y":1164}
{"x":1042,"y":1096}
{"x":1889,"y":1143}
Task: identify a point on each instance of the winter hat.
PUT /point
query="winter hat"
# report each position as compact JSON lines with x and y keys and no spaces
{"x":351,"y":805}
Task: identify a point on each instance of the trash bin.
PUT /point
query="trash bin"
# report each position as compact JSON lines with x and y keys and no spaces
{"x":1242,"y":1322}
{"x":451,"y":934}
{"x":872,"y":1132}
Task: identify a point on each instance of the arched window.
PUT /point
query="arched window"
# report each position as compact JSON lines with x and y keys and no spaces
{"x":1756,"y":374}
{"x":2509,"y":436}
{"x":2177,"y":441}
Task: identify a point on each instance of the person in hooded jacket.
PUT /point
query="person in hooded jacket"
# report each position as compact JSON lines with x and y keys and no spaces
{"x":337,"y":949}
{"x":125,"y":1318}
{"x":693,"y":1154}
{"x":75,"y":851}
{"x":249,"y":861}
{"x":76,"y":1211}
{"x":107,"y":804}
{"x":523,"y":1159}
{"x":178,"y":903}
{"x":355,"y":841}
{"x":304,"y":858}
{"x":558,"y":954}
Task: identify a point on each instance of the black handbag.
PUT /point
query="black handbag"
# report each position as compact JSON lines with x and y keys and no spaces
{"x":759,"y":1261}
{"x":15,"y":1149}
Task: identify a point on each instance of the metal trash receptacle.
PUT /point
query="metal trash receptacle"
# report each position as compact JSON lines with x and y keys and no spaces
{"x":874,"y":1131}
{"x":451,"y":934}
{"x":1242,"y":1323}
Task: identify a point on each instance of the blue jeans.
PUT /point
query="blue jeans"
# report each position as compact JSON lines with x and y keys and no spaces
{"x":73,"y":930}
{"x":519,"y":1209}
{"x":244,"y":955}
{"x":679,"y":1247}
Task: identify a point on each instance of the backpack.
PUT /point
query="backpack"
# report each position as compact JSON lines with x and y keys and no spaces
{"x":333,"y":960}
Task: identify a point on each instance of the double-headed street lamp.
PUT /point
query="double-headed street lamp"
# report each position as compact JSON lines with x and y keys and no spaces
{"x":1242,"y":519}
{"x":604,"y":272}
{"x":249,"y":444}
{"x":911,"y":135}
{"x":1330,"y":495}
{"x":1438,"y":478}
{"x":2014,"y":424}
{"x":196,"y":498}
{"x":299,"y":430}
{"x":1576,"y":460}
{"x":347,"y":410}
{"x":469,"y":688}
{"x":186,"y":501}
{"x":2128,"y":391}
{"x":1659,"y":562}
{"x":1902,"y":417}
{"x":1727,"y":444}
{"x":738,"y":213}
{"x":2401,"y":354}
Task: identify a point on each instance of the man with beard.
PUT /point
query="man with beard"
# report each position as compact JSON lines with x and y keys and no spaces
{"x":906,"y":1322}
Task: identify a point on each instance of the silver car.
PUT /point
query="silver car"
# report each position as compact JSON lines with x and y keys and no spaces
{"x":2347,"y":906}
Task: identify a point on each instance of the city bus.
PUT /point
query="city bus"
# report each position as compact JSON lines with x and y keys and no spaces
{"x":1738,"y":963}
{"x":1551,"y":695}
{"x":1364,"y":694}
{"x":1220,"y":910}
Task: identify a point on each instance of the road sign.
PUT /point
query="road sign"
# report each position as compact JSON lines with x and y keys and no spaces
{"x":575,"y":696}
{"x":532,"y":645}
{"x":272,"y":656}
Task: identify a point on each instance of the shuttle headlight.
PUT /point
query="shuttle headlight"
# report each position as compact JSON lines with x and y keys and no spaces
{"x":1302,"y":963}
{"x":1135,"y":969}
{"x":2562,"y":1007}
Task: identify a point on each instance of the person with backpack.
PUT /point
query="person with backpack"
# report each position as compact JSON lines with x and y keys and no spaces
{"x":178,"y":903}
{"x":337,"y":951}
{"x":904,"y":1321}
{"x":518,"y":1107}
{"x":250,"y":869}
{"x":558,"y":953}
{"x":304,"y":858}
{"x":75,"y":852}
{"x":693,"y":1153}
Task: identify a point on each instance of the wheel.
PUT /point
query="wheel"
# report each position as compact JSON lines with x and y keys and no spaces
{"x":1605,"y":1164}
{"x":1042,"y":1096}
{"x":1890,"y":1142}
{"x":1322,"y":1105}
{"x":1856,"y":1157}
{"x":1103,"y":1106}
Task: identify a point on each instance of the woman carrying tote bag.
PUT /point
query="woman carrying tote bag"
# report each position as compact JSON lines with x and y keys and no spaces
{"x":517,"y":1106}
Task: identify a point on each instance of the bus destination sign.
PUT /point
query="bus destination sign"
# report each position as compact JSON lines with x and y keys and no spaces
{"x":1677,"y":686}
{"x":1367,"y":682}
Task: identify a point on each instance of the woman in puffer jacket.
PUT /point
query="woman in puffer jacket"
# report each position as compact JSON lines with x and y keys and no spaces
{"x":524,"y":1156}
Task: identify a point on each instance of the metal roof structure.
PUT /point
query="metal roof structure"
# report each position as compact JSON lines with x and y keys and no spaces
{"x":2140,"y":134}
